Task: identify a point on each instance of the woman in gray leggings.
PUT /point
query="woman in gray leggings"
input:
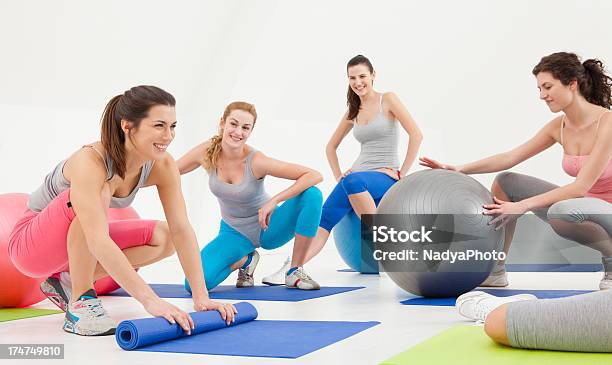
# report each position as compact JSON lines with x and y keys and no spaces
{"x":580,"y":211}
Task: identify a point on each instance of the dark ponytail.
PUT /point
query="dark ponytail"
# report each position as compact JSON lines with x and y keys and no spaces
{"x":593,"y":82}
{"x":597,"y":84}
{"x":133,"y":106}
{"x":352,"y":100}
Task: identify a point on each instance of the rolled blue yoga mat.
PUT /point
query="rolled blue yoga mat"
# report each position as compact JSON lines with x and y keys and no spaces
{"x":247,"y":336}
{"x":137,"y":333}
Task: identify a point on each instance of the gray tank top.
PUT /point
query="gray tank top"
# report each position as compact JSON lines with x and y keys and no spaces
{"x":378,"y":141}
{"x":55,"y":183}
{"x":240,"y":202}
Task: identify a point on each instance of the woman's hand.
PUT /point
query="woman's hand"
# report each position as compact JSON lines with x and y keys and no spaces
{"x":265,"y":212}
{"x":227,"y":310}
{"x":506,"y":211}
{"x":343,"y":175}
{"x":433,"y":164}
{"x":393,"y":173}
{"x":160,"y":308}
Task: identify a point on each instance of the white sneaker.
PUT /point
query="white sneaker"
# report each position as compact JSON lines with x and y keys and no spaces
{"x":87,"y":317}
{"x":299,"y":279}
{"x":606,"y":282}
{"x":245,"y":276}
{"x":497,"y":278}
{"x":476,"y":305}
{"x":278,"y":278}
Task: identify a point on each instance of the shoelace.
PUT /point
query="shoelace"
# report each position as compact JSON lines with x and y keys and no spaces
{"x":301,"y":274}
{"x":94,"y":307}
{"x":481,"y":309}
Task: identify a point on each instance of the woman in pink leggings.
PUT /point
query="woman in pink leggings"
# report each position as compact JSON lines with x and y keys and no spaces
{"x":65,"y":227}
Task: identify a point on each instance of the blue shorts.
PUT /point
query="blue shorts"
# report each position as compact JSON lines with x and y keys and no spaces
{"x":338,"y":205}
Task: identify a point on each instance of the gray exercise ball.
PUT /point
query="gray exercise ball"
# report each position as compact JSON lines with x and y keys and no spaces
{"x":451,"y":204}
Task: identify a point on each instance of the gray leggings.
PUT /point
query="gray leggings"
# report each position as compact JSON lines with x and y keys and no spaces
{"x":584,"y":220}
{"x":579,"y":323}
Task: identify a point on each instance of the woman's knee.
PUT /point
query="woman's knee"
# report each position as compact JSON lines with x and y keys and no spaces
{"x":312,"y":196}
{"x":495,"y":325}
{"x":564,"y":210}
{"x":501,"y":182}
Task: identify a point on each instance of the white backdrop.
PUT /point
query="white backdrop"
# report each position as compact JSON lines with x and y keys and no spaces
{"x":463,"y":69}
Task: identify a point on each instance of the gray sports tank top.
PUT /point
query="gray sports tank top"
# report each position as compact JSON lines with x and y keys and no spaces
{"x":378,"y":141}
{"x":240,"y":202}
{"x":55,"y":183}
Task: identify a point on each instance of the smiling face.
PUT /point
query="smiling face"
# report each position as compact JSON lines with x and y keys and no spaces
{"x":556,"y":95}
{"x":360,"y":79}
{"x":154,"y":132}
{"x":236,"y":128}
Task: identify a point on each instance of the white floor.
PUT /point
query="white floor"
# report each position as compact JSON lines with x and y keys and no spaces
{"x":401,"y":326}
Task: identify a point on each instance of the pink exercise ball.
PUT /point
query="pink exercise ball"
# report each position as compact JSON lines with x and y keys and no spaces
{"x":16,"y":289}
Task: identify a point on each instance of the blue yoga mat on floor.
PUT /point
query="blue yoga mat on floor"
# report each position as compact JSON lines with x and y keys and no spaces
{"x":362,"y":273}
{"x":541,"y":294}
{"x":245,"y":337}
{"x":272,"y":293}
{"x":554,"y":267}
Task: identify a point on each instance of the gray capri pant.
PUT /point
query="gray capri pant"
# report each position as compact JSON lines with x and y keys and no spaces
{"x":579,"y":323}
{"x":519,"y":187}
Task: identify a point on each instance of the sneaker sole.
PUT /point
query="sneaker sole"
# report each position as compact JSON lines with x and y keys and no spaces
{"x":245,"y":286}
{"x":53,"y":295}
{"x":71,"y":329}
{"x":297,"y":287}
{"x":266,"y":282}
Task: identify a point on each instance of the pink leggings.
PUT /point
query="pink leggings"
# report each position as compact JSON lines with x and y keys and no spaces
{"x":37,"y":245}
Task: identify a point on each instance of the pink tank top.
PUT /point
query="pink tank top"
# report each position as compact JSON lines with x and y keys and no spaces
{"x":602,"y":188}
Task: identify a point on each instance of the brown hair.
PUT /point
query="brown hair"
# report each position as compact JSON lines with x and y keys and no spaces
{"x":593,"y":82}
{"x":133,"y":106}
{"x":352,"y":100}
{"x":211,"y":156}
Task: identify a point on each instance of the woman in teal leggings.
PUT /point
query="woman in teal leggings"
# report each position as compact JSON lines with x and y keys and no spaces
{"x":250,"y":218}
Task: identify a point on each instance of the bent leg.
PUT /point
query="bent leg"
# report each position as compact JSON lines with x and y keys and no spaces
{"x":365,"y":189}
{"x":219,"y":254}
{"x":143,"y":242}
{"x":514,"y":187}
{"x":587,"y":221}
{"x":297,"y":217}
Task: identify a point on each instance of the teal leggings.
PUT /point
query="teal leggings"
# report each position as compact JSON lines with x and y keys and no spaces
{"x":298,"y":215}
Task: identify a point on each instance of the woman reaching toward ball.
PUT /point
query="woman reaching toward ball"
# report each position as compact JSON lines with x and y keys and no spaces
{"x":580,"y":211}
